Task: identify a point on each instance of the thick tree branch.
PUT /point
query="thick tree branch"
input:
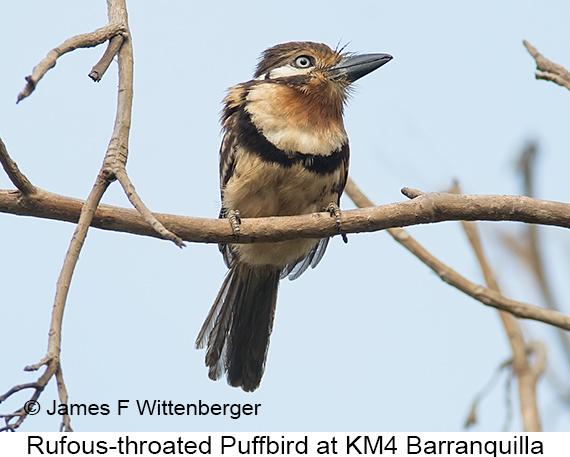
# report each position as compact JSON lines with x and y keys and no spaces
{"x":549,"y":71}
{"x":427,"y":208}
{"x":423,"y":209}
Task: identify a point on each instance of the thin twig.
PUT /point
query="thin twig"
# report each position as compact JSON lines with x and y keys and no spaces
{"x":116,"y":157}
{"x":85,"y":40}
{"x":538,"y":350}
{"x":16,"y":176}
{"x":51,"y":359}
{"x":472,"y":416}
{"x":30,"y":405}
{"x":62,"y":391}
{"x":548,"y":70}
{"x":99,"y":69}
{"x":509,"y":403}
{"x":521,"y":368}
{"x":526,"y":165}
{"x":147,"y":215}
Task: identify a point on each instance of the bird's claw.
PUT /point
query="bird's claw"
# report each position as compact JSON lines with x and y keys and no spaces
{"x":235,"y":221}
{"x":334,"y":211}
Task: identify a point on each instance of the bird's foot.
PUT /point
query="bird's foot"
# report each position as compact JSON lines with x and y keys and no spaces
{"x":235,"y":221}
{"x":334,"y":211}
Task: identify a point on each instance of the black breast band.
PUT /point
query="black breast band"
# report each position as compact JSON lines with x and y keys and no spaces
{"x":251,"y":138}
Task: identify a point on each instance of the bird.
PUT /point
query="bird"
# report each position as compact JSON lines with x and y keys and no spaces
{"x":284,"y":152}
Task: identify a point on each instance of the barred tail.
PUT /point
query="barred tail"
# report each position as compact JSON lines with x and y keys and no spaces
{"x":239,"y":324}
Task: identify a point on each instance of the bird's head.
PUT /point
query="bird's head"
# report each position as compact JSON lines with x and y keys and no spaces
{"x":305,"y":60}
{"x":302,"y":85}
{"x":318,"y":75}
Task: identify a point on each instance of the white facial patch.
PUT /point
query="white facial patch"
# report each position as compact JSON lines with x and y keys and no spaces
{"x":285,"y":70}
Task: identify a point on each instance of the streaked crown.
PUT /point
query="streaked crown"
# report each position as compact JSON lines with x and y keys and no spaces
{"x":297,"y":57}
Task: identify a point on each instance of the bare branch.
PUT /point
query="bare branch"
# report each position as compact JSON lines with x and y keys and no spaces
{"x":30,"y":405}
{"x":532,"y":244}
{"x":484,"y":295}
{"x":550,"y":71}
{"x":64,"y":280}
{"x":97,"y":72}
{"x":51,"y":359}
{"x":538,"y":350}
{"x":118,"y":18}
{"x":428,"y":208}
{"x":472,"y":415}
{"x":85,"y":40}
{"x":530,"y":376}
{"x":117,"y":152}
{"x":424,"y":209}
{"x":62,"y":391}
{"x":16,"y":176}
{"x":521,"y":368}
{"x":147,"y":215}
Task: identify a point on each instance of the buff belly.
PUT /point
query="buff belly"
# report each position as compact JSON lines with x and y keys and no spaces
{"x":259,"y":189}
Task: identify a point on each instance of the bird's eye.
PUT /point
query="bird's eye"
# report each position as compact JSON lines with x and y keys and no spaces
{"x":303,"y":62}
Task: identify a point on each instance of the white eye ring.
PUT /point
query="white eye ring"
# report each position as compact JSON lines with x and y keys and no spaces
{"x":303,"y":62}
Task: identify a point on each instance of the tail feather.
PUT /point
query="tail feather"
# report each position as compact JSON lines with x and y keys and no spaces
{"x":239,"y":325}
{"x":215,"y":328}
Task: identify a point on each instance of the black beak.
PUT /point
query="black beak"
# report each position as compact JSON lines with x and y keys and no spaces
{"x":355,"y":67}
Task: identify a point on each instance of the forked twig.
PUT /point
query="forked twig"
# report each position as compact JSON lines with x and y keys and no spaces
{"x":85,"y":40}
{"x":37,"y":388}
{"x":548,"y":71}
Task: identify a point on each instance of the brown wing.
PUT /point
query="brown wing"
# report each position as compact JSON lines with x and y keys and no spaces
{"x":227,"y":166}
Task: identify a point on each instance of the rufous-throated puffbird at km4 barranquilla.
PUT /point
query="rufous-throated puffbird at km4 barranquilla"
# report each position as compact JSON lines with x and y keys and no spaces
{"x":284,"y":152}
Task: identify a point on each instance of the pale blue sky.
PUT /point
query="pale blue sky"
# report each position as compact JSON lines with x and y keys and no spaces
{"x":371,"y":340}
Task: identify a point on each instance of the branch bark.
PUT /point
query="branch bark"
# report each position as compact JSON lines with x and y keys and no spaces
{"x":85,"y":40}
{"x":548,"y":71}
{"x":99,"y":69}
{"x":18,"y":178}
{"x":425,"y":209}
